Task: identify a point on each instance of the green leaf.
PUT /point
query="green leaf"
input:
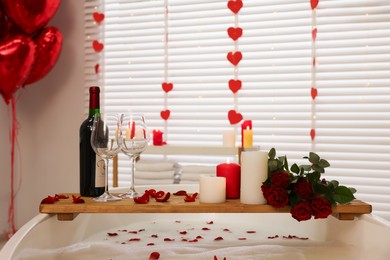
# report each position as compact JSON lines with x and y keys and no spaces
{"x":272,"y":165}
{"x":334,"y":183}
{"x":313,"y":177}
{"x":343,"y":195}
{"x":323,"y":163}
{"x":306,"y":168}
{"x":321,"y":189}
{"x":295,"y":168}
{"x":318,"y":168}
{"x":314,"y":158}
{"x":272,"y":153}
{"x":353,"y":190}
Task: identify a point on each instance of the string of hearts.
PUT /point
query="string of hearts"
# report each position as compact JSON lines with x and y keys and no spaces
{"x":166,"y":86}
{"x":234,"y":57}
{"x":313,"y":90}
{"x":96,"y":45}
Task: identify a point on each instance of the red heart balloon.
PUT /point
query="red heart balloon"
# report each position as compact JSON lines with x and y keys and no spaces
{"x":234,"y":57}
{"x":165,"y":114}
{"x":97,"y":46}
{"x":48,"y":44}
{"x":16,"y":60}
{"x":98,"y":17}
{"x":31,"y":15}
{"x":234,"y":117}
{"x":234,"y":5}
{"x":167,"y":87}
{"x":235,"y":85}
{"x":234,"y":33}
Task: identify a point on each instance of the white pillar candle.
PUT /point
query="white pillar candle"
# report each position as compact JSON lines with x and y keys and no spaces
{"x":254,"y":171}
{"x":229,"y":138}
{"x":212,"y":189}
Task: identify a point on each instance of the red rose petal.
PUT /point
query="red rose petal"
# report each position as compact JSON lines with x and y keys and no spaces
{"x":210,"y":222}
{"x":193,"y":240}
{"x":160,"y":198}
{"x":134,"y":239}
{"x":154,"y":256}
{"x":48,"y":200}
{"x":226,"y":230}
{"x":142,"y":229}
{"x":61,"y":196}
{"x":150,"y":244}
{"x":251,"y":232}
{"x":112,"y":234}
{"x":199,"y":237}
{"x":242,"y":238}
{"x":205,"y":228}
{"x":180,"y":193}
{"x":168,"y":239}
{"x":218,"y":238}
{"x":183,"y":232}
{"x":154,"y":236}
{"x":77,"y":199}
{"x":133,"y":232}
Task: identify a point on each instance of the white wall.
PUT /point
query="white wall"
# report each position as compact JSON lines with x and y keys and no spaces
{"x":49,"y":113}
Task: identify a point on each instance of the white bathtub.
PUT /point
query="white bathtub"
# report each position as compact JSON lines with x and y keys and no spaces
{"x":230,"y":235}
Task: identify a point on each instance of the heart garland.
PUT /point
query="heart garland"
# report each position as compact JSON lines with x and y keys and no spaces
{"x":313,"y":90}
{"x":235,"y":5}
{"x":165,"y":114}
{"x":167,"y":87}
{"x":97,"y":46}
{"x":235,"y":85}
{"x":234,"y":57}
{"x":313,"y":4}
{"x":98,"y":17}
{"x":234,"y":33}
{"x":314,"y":93}
{"x":312,"y":134}
{"x":234,"y":117}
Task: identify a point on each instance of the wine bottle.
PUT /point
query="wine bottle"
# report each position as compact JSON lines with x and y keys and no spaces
{"x":92,"y":169}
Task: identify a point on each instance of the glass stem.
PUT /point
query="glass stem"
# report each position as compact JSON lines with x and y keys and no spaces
{"x":132,"y":161}
{"x":106,"y":177}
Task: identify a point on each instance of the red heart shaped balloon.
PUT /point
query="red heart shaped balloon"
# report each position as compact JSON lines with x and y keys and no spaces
{"x":48,"y":44}
{"x":165,"y":114}
{"x":235,"y":85}
{"x":31,"y":15}
{"x":16,"y":60}
{"x":234,"y":5}
{"x":234,"y":33}
{"x":234,"y":117}
{"x":167,"y":87}
{"x":234,"y":57}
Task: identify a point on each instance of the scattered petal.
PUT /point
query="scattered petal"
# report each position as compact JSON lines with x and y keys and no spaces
{"x":48,"y":200}
{"x":168,"y":239}
{"x":210,"y":222}
{"x":218,"y":238}
{"x":180,"y":193}
{"x":77,"y":199}
{"x":154,"y":256}
{"x":134,"y":239}
{"x":112,"y":234}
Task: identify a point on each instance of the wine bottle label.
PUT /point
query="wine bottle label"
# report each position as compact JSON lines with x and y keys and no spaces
{"x":100,"y":172}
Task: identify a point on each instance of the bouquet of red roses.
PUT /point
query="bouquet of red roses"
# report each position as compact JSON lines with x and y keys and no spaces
{"x":302,"y":188}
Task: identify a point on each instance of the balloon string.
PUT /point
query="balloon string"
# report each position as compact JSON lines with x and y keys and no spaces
{"x":11,"y":209}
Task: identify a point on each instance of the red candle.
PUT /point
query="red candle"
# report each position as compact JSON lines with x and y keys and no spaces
{"x":157,"y":137}
{"x":247,"y":124}
{"x":232,"y":172}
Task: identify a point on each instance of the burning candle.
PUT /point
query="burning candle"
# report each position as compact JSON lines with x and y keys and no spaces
{"x":254,"y":171}
{"x":248,"y":138}
{"x":212,"y":189}
{"x":245,"y":125}
{"x":231,"y":171}
{"x":157,"y":137}
{"x":229,"y":138}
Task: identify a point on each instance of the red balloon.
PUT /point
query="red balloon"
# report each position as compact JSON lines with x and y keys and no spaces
{"x":16,"y":60}
{"x":48,"y":44}
{"x":30,"y":15}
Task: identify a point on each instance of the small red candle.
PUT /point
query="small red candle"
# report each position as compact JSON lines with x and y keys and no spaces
{"x":247,"y":124}
{"x":157,"y":137}
{"x":232,"y":172}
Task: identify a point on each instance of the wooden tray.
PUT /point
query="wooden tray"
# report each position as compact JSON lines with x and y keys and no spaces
{"x":66,"y":210}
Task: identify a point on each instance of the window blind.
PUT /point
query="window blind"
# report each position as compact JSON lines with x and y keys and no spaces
{"x":185,"y":43}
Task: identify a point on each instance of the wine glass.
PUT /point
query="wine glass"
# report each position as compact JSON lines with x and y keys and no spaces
{"x":134,"y":142}
{"x":106,"y":142}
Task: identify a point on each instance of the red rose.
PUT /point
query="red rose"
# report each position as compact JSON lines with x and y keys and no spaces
{"x":301,"y":211}
{"x":281,"y":179}
{"x":275,"y":195}
{"x":321,"y":207}
{"x":303,"y":188}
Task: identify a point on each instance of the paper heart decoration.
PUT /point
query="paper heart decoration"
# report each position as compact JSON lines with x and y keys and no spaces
{"x":16,"y":60}
{"x":30,"y":15}
{"x":235,"y":5}
{"x":313,"y":4}
{"x":98,"y":17}
{"x":165,"y":114}
{"x":234,"y":33}
{"x":48,"y":45}
{"x":167,"y":87}
{"x":314,"y":34}
{"x":235,"y":85}
{"x":97,"y":46}
{"x":97,"y":68}
{"x":234,"y":57}
{"x":312,"y":134}
{"x":314,"y":93}
{"x":234,"y":117}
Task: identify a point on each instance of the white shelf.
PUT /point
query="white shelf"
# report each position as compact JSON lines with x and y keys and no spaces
{"x":192,"y":150}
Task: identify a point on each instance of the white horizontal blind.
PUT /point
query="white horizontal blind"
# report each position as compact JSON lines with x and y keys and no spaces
{"x":352,"y":109}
